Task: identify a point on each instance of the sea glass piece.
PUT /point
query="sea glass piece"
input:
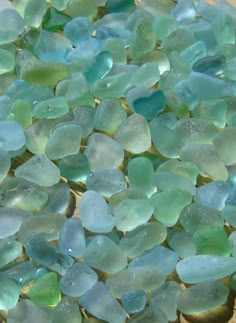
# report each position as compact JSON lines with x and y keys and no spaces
{"x":34,"y":12}
{"x":27,"y":311}
{"x":103,"y":153}
{"x":51,"y":108}
{"x":199,"y":268}
{"x":99,"y":67}
{"x":103,"y":254}
{"x":11,"y":136}
{"x":224,"y":145}
{"x":213,"y":195}
{"x":21,"y":113}
{"x":9,"y":293}
{"x":94,"y":213}
{"x":134,"y":301}
{"x":148,"y":75}
{"x":229,"y":70}
{"x":12,"y":24}
{"x":84,"y":116}
{"x":40,"y":170}
{"x":160,"y":257}
{"x":46,"y":290}
{"x":154,"y":314}
{"x":134,"y":134}
{"x":7,"y":62}
{"x":206,"y":158}
{"x":106,"y":182}
{"x":47,"y":226}
{"x":232,"y":281}
{"x":202,"y":297}
{"x":100,"y":303}
{"x":109,"y":114}
{"x":54,"y":19}
{"x":72,"y":238}
{"x":46,"y":254}
{"x":78,"y":29}
{"x":11,"y":220}
{"x":24,"y":272}
{"x":5,"y":106}
{"x":212,"y":241}
{"x":182,"y":243}
{"x":10,"y":249}
{"x":142,"y":238}
{"x":194,"y":52}
{"x":144,"y":278}
{"x":196,"y":216}
{"x":67,"y":310}
{"x":83,"y":8}
{"x":210,"y":65}
{"x":116,"y":48}
{"x":74,"y":167}
{"x":64,"y":141}
{"x":166,"y":212}
{"x":59,"y":5}
{"x":78,"y":280}
{"x":5,"y":163}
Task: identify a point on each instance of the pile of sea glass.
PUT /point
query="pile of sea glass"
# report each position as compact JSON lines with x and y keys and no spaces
{"x":132,"y":108}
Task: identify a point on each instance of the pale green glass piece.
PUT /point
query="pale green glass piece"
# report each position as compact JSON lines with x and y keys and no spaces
{"x":59,"y":5}
{"x":87,"y":8}
{"x":34,"y":12}
{"x":109,"y":115}
{"x":140,"y":174}
{"x":5,"y":106}
{"x":10,"y":249}
{"x":11,"y":25}
{"x":142,"y":238}
{"x":147,"y":75}
{"x":74,"y":167}
{"x":48,"y":226}
{"x":199,"y":268}
{"x":9,"y":293}
{"x":202,"y":297}
{"x":39,"y":170}
{"x":182,"y":243}
{"x":103,"y":152}
{"x":223,"y":28}
{"x":165,"y":298}
{"x":224,"y":143}
{"x":206,"y":158}
{"x":27,"y":311}
{"x":5,"y":163}
{"x":163,"y":26}
{"x":116,"y":48}
{"x":134,"y":134}
{"x":67,"y":310}
{"x":145,"y":278}
{"x":129,"y":214}
{"x":105,"y":255}
{"x":51,"y":108}
{"x":196,"y":216}
{"x":37,"y":136}
{"x":167,"y":212}
{"x":21,"y":113}
{"x":64,"y":141}
{"x":212,"y":241}
{"x":7,"y":61}
{"x":129,"y":193}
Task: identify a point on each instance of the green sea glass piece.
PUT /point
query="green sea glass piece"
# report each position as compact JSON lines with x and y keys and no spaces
{"x":9,"y":293}
{"x":82,"y":8}
{"x":67,"y":310}
{"x":7,"y":61}
{"x":59,"y":4}
{"x":202,"y":297}
{"x":74,"y":167}
{"x":10,"y":249}
{"x":46,"y":290}
{"x":51,"y":108}
{"x":21,"y":113}
{"x":34,"y":12}
{"x":116,"y":48}
{"x":54,"y":20}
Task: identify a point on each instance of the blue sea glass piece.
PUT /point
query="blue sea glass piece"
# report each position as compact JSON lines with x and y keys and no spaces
{"x":78,"y":29}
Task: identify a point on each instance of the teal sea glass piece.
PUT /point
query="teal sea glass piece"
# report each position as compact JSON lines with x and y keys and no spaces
{"x":78,"y":280}
{"x":210,"y":65}
{"x":202,"y":297}
{"x":9,"y":293}
{"x":119,"y":6}
{"x":51,"y":108}
{"x":11,"y":136}
{"x":78,"y":29}
{"x":74,"y":167}
{"x":150,"y":106}
{"x":72,"y":238}
{"x":10,"y":249}
{"x":46,"y":254}
{"x":99,"y":302}
{"x":103,"y":254}
{"x":199,"y":268}
{"x":12,"y":24}
{"x":99,"y":67}
{"x":134,"y":301}
{"x":67,"y":309}
{"x":39,"y":170}
{"x":94,"y":213}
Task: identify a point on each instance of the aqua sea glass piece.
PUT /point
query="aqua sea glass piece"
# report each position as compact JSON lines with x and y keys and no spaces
{"x":5,"y":106}
{"x":152,"y":313}
{"x":144,"y":278}
{"x":11,"y":220}
{"x":78,"y":29}
{"x":46,"y":254}
{"x":106,"y":182}
{"x":194,"y":52}
{"x":39,"y":170}
{"x":199,"y":268}
{"x":109,"y":115}
{"x":12,"y":24}
{"x":184,"y":11}
{"x":74,"y":167}
{"x":51,"y":108}
{"x":34,"y":12}
{"x":134,"y":134}
{"x":99,"y":302}
{"x":224,"y":145}
{"x":128,"y":193}
{"x":84,"y":117}
{"x":196,"y":216}
{"x":5,"y":163}
{"x":47,"y":226}
{"x":10,"y":249}
{"x":94,"y":213}
{"x":82,"y":8}
{"x":46,"y":290}
{"x":11,"y":135}
{"x":7,"y":61}
{"x":134,"y":301}
{"x":28,"y":311}
{"x":160,"y":257}
{"x":163,"y":26}
{"x":119,"y":6}
{"x":64,"y":141}
{"x":99,"y":67}
{"x":67,"y":309}
{"x":202,"y":297}
{"x":24,"y":272}
{"x":211,"y":65}
{"x":147,"y":75}
{"x":9,"y":293}
{"x":103,"y":153}
{"x":182,"y":243}
{"x":72,"y":238}
{"x":78,"y":280}
{"x":103,"y":254}
{"x":116,"y":48}
{"x":142,"y":238}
